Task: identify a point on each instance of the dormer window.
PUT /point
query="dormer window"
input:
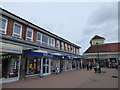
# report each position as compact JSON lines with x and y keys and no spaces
{"x":29,"y":34}
{"x":3,"y":25}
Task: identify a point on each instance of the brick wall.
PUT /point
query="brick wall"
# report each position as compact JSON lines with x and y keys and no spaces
{"x":10,"y":27}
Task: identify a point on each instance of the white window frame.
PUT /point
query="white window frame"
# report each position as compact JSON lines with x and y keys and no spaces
{"x":62,"y":45}
{"x":37,"y":37}
{"x":57,"y":44}
{"x":66,"y":47}
{"x":69,"y":49}
{"x":5,"y":24}
{"x":53,"y":44}
{"x":29,"y":29}
{"x":47,"y":40}
{"x":20,"y":29}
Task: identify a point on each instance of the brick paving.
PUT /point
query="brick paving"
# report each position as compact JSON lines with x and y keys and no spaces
{"x":70,"y":79}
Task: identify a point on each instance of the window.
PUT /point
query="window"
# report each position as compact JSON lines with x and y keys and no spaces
{"x":69,"y":48}
{"x":44,"y":39}
{"x":62,"y":45}
{"x":74,"y":50}
{"x":39,"y":37}
{"x":29,"y":34}
{"x":66,"y":47}
{"x":77,"y":51}
{"x":3,"y":25}
{"x":51,"y":42}
{"x":58,"y":44}
{"x":17,"y":30}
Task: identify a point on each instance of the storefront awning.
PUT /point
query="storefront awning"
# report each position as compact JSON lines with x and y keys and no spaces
{"x":43,"y":54}
{"x":50,"y":55}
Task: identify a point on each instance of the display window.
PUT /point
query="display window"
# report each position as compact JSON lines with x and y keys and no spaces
{"x":73,"y":64}
{"x":33,"y":65}
{"x":68,"y":64}
{"x":55,"y":64}
{"x":10,"y":65}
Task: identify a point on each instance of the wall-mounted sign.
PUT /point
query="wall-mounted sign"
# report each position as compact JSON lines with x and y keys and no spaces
{"x":5,"y":47}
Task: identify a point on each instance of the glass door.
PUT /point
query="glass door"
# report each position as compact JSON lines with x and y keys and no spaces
{"x":46,"y":66}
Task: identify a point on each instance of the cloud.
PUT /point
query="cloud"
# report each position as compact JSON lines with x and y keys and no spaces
{"x":103,"y":22}
{"x":104,"y":14}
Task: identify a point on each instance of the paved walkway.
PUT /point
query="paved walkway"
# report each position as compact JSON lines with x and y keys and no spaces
{"x":71,"y":79}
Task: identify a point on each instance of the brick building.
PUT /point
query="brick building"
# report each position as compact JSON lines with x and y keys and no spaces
{"x":27,"y":49}
{"x":105,"y":53}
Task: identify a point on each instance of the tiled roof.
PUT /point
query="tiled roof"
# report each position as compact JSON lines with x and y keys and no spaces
{"x":108,"y":47}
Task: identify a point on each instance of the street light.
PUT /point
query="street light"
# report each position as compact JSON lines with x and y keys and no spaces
{"x":97,"y":52}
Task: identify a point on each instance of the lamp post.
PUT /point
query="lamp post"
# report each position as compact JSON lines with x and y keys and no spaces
{"x":97,"y":52}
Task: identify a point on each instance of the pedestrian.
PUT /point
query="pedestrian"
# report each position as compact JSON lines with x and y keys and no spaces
{"x":95,"y":68}
{"x":87,"y":66}
{"x":91,"y":66}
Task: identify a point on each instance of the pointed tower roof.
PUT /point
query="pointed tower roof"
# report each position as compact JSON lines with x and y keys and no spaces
{"x":97,"y":37}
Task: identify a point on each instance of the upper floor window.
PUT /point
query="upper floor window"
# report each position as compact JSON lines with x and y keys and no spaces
{"x":74,"y":50}
{"x":77,"y":51}
{"x":52,"y":42}
{"x":39,"y":37}
{"x":3,"y":25}
{"x":62,"y":45}
{"x":44,"y":39}
{"x":17,"y":30}
{"x":66,"y":47}
{"x":58,"y":44}
{"x":69,"y":49}
{"x":29,"y":34}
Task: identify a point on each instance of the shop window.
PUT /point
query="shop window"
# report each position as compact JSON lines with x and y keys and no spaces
{"x":73,"y":64}
{"x":33,"y":66}
{"x":3,"y":25}
{"x":17,"y":30}
{"x":29,"y":34}
{"x":10,"y":66}
{"x":39,"y":37}
{"x":44,"y":39}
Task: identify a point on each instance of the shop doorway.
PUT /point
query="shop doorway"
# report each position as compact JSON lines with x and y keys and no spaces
{"x":46,"y":66}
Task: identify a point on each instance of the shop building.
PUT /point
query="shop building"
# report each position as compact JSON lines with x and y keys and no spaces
{"x":107,"y":54}
{"x":27,"y":49}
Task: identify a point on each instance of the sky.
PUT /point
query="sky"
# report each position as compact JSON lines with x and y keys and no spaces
{"x":76,"y":22}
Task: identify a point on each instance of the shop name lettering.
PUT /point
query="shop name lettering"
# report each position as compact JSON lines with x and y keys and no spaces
{"x":10,"y":50}
{"x":48,"y":55}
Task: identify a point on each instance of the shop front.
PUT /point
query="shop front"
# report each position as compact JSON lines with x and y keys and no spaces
{"x":39,"y":61}
{"x":55,"y":63}
{"x":10,"y":56}
{"x":37,"y":64}
{"x":69,"y":65}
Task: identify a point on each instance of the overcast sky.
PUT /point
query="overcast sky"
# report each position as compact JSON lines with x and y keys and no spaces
{"x":76,"y":22}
